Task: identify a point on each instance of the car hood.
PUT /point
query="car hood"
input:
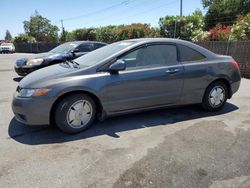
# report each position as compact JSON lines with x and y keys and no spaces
{"x":48,"y":56}
{"x":45,"y":74}
{"x":5,"y":46}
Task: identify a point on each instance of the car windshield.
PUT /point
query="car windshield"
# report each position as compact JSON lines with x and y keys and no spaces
{"x":102,"y":53}
{"x":64,"y":48}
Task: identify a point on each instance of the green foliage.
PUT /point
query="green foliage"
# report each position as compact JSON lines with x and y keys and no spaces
{"x":111,"y":33}
{"x":241,"y":30}
{"x":106,"y":34}
{"x":224,"y":11}
{"x":185,"y":27}
{"x":132,"y":31}
{"x":84,"y":34}
{"x":24,"y":38}
{"x":8,"y":36}
{"x":41,"y":29}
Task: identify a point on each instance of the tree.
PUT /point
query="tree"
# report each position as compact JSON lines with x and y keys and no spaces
{"x":8,"y":36}
{"x":224,"y":12}
{"x":24,"y":38}
{"x":135,"y":30}
{"x":106,"y":34}
{"x":113,"y":33}
{"x":84,"y":34}
{"x":185,"y":27}
{"x":41,"y":29}
{"x":241,"y":30}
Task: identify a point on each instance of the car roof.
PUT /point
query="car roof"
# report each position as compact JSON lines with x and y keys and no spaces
{"x":85,"y":41}
{"x":196,"y":47}
{"x":147,"y":40}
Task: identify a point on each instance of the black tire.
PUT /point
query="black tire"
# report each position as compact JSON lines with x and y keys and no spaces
{"x":63,"y":108}
{"x":206,"y":103}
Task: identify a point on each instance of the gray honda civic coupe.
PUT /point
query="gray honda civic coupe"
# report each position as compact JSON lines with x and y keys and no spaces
{"x":125,"y":77}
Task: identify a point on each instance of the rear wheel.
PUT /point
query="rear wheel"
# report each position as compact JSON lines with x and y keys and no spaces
{"x":215,"y":96}
{"x":75,"y":113}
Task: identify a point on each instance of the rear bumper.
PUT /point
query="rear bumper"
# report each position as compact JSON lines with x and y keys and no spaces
{"x":235,"y":87}
{"x":31,"y":111}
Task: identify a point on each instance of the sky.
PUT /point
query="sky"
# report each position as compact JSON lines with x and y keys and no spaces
{"x":86,"y":13}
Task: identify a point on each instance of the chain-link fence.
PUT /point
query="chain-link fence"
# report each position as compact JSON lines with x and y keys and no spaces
{"x":34,"y":47}
{"x":239,"y":50}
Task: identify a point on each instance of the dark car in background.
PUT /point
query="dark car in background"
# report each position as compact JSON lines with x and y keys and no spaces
{"x":64,"y":52}
{"x":123,"y":77}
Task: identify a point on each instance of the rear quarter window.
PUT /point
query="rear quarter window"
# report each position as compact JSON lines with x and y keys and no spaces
{"x":189,"y":54}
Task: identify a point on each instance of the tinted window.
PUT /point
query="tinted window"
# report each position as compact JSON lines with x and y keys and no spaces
{"x":188,"y":54}
{"x":98,"y":45}
{"x":64,"y":48}
{"x":84,"y":47}
{"x":151,"y":56}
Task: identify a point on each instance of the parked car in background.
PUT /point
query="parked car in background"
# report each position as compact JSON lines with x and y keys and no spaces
{"x":64,"y":52}
{"x":123,"y":77}
{"x":7,"y":48}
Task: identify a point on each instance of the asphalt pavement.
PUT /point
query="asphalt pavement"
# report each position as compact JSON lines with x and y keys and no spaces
{"x":178,"y":147}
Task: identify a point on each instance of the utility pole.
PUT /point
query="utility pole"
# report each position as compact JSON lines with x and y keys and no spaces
{"x":175,"y":25}
{"x":180,"y":20}
{"x":63,"y":35}
{"x":62,"y":24}
{"x":180,"y":8}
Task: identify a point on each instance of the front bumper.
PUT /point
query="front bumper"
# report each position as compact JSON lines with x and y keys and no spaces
{"x":31,"y":111}
{"x":6,"y":51}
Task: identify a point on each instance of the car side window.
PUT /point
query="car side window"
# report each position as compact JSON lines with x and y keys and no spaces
{"x":98,"y":45}
{"x":189,"y":54}
{"x":151,"y":56}
{"x":84,"y":48}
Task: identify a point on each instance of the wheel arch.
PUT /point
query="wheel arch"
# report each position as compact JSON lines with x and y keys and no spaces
{"x":226,"y":82}
{"x":97,"y":101}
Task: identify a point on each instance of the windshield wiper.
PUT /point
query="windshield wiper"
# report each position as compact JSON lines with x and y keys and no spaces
{"x":75,"y":64}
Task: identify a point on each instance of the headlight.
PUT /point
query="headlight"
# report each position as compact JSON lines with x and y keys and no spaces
{"x":32,"y":92}
{"x":34,"y":62}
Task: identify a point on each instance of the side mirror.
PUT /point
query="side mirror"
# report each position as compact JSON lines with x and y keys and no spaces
{"x":119,"y":65}
{"x":74,"y":51}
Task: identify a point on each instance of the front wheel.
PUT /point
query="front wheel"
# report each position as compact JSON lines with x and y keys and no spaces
{"x":75,"y":113}
{"x":215,"y":96}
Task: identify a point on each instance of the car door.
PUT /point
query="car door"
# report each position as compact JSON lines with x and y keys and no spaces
{"x":153,"y":77}
{"x":195,"y":78}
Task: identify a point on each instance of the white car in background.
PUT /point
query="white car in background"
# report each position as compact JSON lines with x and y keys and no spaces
{"x":7,"y":48}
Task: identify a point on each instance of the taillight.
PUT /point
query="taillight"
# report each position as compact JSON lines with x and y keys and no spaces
{"x":235,"y":65}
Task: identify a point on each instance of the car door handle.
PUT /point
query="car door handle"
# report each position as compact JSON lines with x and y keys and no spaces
{"x":172,"y":71}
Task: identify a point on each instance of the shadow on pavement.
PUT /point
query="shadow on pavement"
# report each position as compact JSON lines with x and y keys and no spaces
{"x":50,"y":134}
